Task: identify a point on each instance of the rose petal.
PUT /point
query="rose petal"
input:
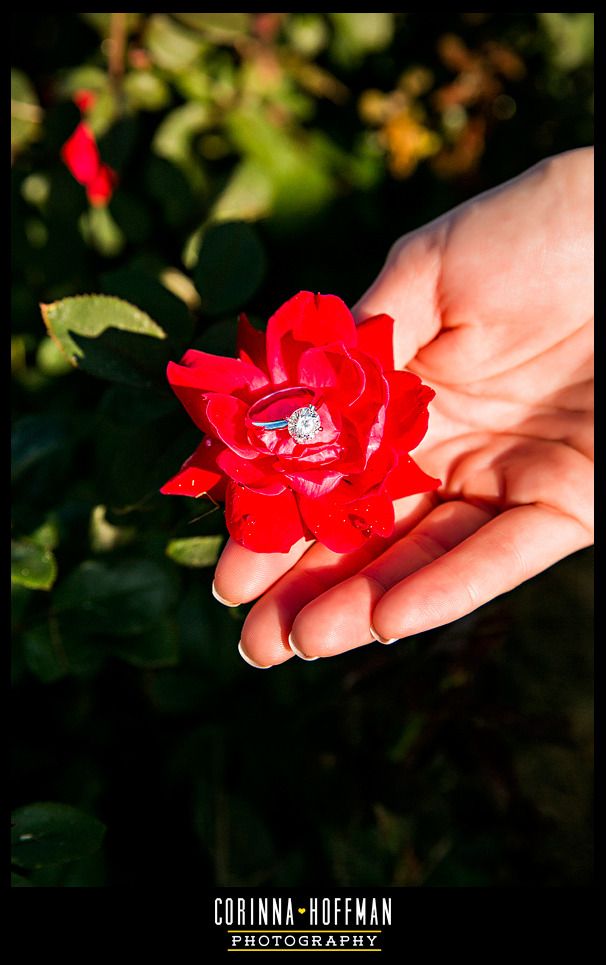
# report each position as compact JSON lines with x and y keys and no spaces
{"x":375,"y":337}
{"x":303,"y":321}
{"x":407,"y":416}
{"x":250,"y":343}
{"x":100,"y":189}
{"x":314,"y":482}
{"x":366,"y":417}
{"x":258,"y":474}
{"x":226,"y":415}
{"x":198,"y":474}
{"x":307,"y":457}
{"x":265,"y":524}
{"x":84,"y":99}
{"x":333,"y":367}
{"x":203,"y":374}
{"x":81,"y":154}
{"x":372,"y":477}
{"x":344,"y":527}
{"x":407,"y":478}
{"x":214,"y":373}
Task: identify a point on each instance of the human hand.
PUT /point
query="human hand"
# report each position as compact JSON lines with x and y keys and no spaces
{"x":493,"y":308}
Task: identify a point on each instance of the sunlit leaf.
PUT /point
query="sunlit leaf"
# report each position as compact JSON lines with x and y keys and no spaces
{"x":101,"y":232}
{"x":571,"y":36}
{"x":217,"y":25}
{"x":247,"y":195}
{"x":170,"y":45}
{"x":307,"y":32}
{"x":142,"y":288}
{"x":195,"y":551}
{"x":104,"y":536}
{"x":101,"y":21}
{"x":47,"y":535}
{"x":358,"y":34}
{"x":301,"y":186}
{"x":146,"y":91}
{"x":32,"y":565}
{"x":50,"y":359}
{"x":90,"y":316}
{"x":26,"y":113}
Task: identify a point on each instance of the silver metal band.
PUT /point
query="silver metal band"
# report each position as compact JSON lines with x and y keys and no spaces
{"x":278,"y":424}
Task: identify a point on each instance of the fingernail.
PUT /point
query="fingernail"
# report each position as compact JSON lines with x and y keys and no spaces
{"x":221,"y":599}
{"x":293,"y":647}
{"x":247,"y":659}
{"x":379,"y":638}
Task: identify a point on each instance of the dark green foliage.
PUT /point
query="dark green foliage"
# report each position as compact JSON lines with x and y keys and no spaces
{"x":258,"y":157}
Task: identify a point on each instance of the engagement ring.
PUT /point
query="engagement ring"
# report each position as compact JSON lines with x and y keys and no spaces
{"x":302,"y":425}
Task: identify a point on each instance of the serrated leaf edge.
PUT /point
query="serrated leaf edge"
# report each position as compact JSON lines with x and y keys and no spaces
{"x":46,"y":309}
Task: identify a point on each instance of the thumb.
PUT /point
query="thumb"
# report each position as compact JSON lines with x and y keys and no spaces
{"x":407,"y":288}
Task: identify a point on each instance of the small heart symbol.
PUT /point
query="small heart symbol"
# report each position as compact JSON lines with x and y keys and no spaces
{"x":301,"y":910}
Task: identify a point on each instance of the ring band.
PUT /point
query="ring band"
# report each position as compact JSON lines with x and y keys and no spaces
{"x":279,"y":424}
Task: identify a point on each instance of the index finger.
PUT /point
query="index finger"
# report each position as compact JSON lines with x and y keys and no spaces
{"x":242,"y":575}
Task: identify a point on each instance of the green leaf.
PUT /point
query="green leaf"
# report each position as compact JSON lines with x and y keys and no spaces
{"x":571,"y":36}
{"x":101,"y":232}
{"x":90,"y":316}
{"x":300,"y":182}
{"x":49,"y":833}
{"x":358,"y":34}
{"x":47,"y":534}
{"x":104,"y":536}
{"x":117,"y":598}
{"x":101,"y":22}
{"x":26,"y":113}
{"x":172,"y":139}
{"x":146,"y":91}
{"x":171,"y":46}
{"x":195,"y":551}
{"x":217,"y":24}
{"x":50,"y":360}
{"x":118,"y":357}
{"x":230,"y":267}
{"x":246,"y":197}
{"x":140,"y":287}
{"x":32,"y":565}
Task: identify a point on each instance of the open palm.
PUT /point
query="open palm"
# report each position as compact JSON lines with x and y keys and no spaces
{"x":493,"y":309}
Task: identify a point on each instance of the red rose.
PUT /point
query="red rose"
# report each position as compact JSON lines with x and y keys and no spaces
{"x":333,"y":473}
{"x":81,"y":156}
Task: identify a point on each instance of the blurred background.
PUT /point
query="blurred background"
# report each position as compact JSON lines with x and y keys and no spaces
{"x":246,"y":157}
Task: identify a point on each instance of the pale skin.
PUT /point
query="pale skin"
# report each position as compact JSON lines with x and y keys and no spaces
{"x":493,"y":308}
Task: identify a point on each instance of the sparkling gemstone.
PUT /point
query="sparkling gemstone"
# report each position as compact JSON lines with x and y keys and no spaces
{"x":304,"y":424}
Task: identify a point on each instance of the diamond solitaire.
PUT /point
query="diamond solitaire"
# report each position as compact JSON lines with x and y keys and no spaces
{"x":304,"y":424}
